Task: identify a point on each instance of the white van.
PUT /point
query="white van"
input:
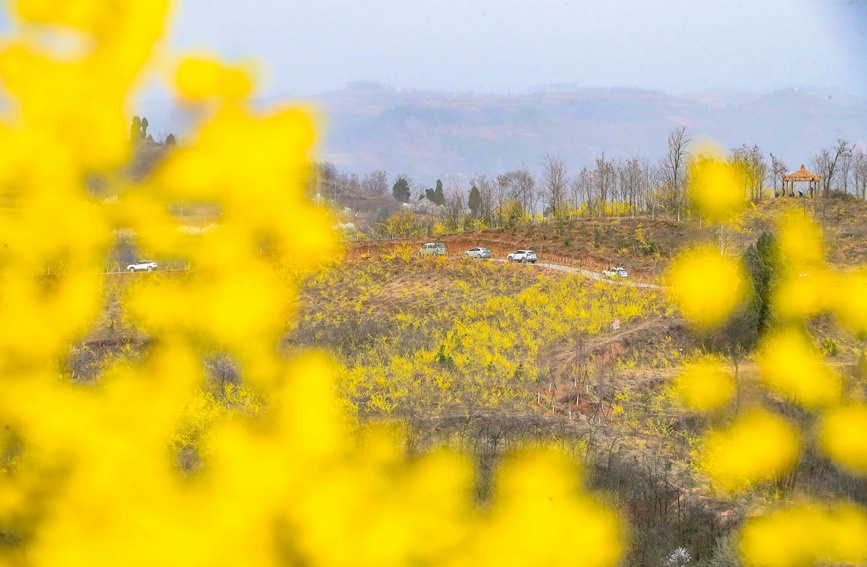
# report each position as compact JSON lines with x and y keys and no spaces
{"x":433,"y":249}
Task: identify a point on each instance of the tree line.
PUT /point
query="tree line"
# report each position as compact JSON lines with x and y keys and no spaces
{"x":610,"y":186}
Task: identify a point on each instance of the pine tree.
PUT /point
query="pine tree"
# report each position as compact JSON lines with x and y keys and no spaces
{"x":401,"y":190}
{"x":135,"y":129}
{"x":474,"y":202}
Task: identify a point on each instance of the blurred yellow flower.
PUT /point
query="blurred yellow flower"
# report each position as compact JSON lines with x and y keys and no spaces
{"x":283,"y":476}
{"x":801,"y":295}
{"x":791,"y":366}
{"x":757,"y":447}
{"x":806,"y":534}
{"x":714,"y":187}
{"x":842,"y":436}
{"x":705,"y":286}
{"x":203,"y":78}
{"x":704,"y":386}
{"x":800,"y":241}
{"x":848,"y":300}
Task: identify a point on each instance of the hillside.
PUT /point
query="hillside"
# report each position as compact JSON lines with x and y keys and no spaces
{"x":485,"y":357}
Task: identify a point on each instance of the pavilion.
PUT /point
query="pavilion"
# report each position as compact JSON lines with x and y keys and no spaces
{"x":800,"y":176}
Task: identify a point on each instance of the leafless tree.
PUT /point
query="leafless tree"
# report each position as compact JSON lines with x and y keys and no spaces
{"x":329,"y":181}
{"x":520,"y":186}
{"x":826,"y":163}
{"x":672,"y":169}
{"x":455,"y":204}
{"x":581,"y":191}
{"x":554,"y":185}
{"x":778,"y":170}
{"x":648,"y":190}
{"x":859,"y":173}
{"x":604,"y":181}
{"x":752,"y":169}
{"x":375,"y":182}
{"x":843,"y":169}
{"x":488,"y":191}
{"x":630,"y":183}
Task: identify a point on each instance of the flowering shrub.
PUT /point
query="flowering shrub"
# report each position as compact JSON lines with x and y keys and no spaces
{"x":88,"y":476}
{"x":760,"y":444}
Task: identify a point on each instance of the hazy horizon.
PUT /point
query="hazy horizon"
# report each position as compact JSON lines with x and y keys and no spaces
{"x":680,"y":47}
{"x":512,"y":47}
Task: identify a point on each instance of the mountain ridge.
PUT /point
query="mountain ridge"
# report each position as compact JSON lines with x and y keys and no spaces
{"x":428,"y":135}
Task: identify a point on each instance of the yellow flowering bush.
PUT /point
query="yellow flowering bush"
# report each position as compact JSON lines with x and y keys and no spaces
{"x":89,"y":474}
{"x":760,"y":445}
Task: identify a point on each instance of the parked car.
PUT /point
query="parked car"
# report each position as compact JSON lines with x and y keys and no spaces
{"x":522,"y":256}
{"x":142,"y":266}
{"x":478,"y":253}
{"x":433,"y":249}
{"x":615,"y":272}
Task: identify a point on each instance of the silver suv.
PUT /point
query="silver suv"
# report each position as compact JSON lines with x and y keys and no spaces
{"x":478,"y":253}
{"x":433,"y":249}
{"x":522,"y":256}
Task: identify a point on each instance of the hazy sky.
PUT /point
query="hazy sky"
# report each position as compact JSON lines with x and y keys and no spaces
{"x":512,"y":46}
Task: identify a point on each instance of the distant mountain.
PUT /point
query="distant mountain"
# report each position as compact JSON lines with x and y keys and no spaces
{"x":430,"y":135}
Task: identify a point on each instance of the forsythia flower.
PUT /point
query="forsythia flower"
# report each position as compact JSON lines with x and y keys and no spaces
{"x":96,"y":482}
{"x":806,"y":534}
{"x":705,"y":386}
{"x":755,"y":448}
{"x":791,"y":366}
{"x":841,"y":436}
{"x":706,"y":286}
{"x":715,"y":188}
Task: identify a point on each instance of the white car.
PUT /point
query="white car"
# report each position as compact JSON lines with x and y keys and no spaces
{"x":142,"y":266}
{"x":478,"y":253}
{"x":522,"y":256}
{"x":615,"y":272}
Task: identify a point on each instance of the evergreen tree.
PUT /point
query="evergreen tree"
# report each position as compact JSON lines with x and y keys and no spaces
{"x":135,"y":129}
{"x":436,"y":196}
{"x":474,"y":202}
{"x":401,"y":190}
{"x":763,"y":265}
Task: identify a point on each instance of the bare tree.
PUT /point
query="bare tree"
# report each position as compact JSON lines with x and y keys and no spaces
{"x":581,"y":191}
{"x":672,"y":169}
{"x":330,"y":182}
{"x":648,"y":190}
{"x":859,"y":173}
{"x":603,"y":177}
{"x":455,"y":204}
{"x":519,"y":186}
{"x":630,"y":183}
{"x":375,"y":182}
{"x":826,"y":162}
{"x":778,"y":170}
{"x":554,"y":185}
{"x":843,"y":169}
{"x":752,"y":170}
{"x":488,"y":191}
